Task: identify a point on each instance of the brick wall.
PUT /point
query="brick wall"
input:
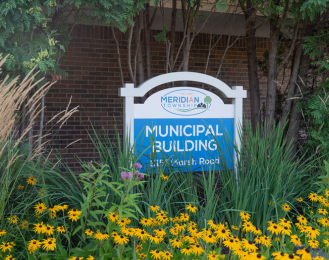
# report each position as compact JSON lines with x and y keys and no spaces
{"x":93,"y":81}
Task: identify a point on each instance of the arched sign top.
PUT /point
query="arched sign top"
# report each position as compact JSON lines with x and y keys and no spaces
{"x":141,"y":90}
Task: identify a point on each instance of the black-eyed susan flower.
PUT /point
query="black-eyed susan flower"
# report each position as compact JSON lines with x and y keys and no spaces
{"x":213,"y":256}
{"x":74,"y":212}
{"x":300,"y":199}
{"x":295,"y":240}
{"x":160,"y":232}
{"x":123,"y":222}
{"x":323,"y":211}
{"x":324,"y":222}
{"x":275,"y":229}
{"x":190,"y":239}
{"x":142,"y":234}
{"x":40,"y":208}
{"x":180,"y":227}
{"x":156,"y":254}
{"x":24,"y":224}
{"x":176,"y":243}
{"x":154,"y":208}
{"x":302,"y":220}
{"x":88,"y":232}
{"x":164,"y":177}
{"x":2,"y":232}
{"x":166,"y":255}
{"x":12,"y":219}
{"x":286,"y":207}
{"x":266,"y":241}
{"x":20,"y":187}
{"x":222,"y":232}
{"x":313,"y":197}
{"x":257,"y":232}
{"x":139,"y":247}
{"x":38,"y":228}
{"x":112,"y":216}
{"x":6,"y":246}
{"x":258,"y":256}
{"x":313,"y":243}
{"x":61,"y":207}
{"x":145,"y":222}
{"x":235,"y":227}
{"x":187,"y":251}
{"x":197,"y":249}
{"x":248,"y":226}
{"x":74,"y":217}
{"x":75,"y":258}
{"x":285,"y":231}
{"x":49,"y":244}
{"x":9,"y":257}
{"x":280,"y":256}
{"x":121,"y":240}
{"x":209,"y":239}
{"x":154,"y":239}
{"x":231,"y":244}
{"x":244,"y":215}
{"x":52,"y":212}
{"x":48,"y":229}
{"x":192,"y":230}
{"x":142,"y":256}
{"x":33,"y":245}
{"x":184,"y":217}
{"x":101,"y":236}
{"x":312,"y":232}
{"x":191,"y":208}
{"x":60,"y":229}
{"x":305,"y":254}
{"x":285,"y":223}
{"x":326,"y":242}
{"x":31,"y":180}
{"x":249,"y":245}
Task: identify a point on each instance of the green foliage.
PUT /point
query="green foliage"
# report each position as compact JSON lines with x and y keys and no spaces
{"x":37,"y":33}
{"x":266,"y":177}
{"x":162,"y":36}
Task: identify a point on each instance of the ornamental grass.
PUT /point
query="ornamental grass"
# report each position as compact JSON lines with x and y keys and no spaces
{"x":98,"y":230}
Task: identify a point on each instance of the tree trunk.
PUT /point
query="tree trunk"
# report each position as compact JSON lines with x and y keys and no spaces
{"x":293,"y":75}
{"x":296,"y":114}
{"x":272,"y":68}
{"x":172,"y":34}
{"x":147,"y":41}
{"x":250,"y":17}
{"x":138,"y":51}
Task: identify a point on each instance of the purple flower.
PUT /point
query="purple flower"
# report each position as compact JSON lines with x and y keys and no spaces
{"x":137,"y":165}
{"x":136,"y":173}
{"x":140,"y":177}
{"x":124,"y":175}
{"x":130,"y":175}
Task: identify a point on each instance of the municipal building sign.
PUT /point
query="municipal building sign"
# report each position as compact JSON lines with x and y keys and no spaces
{"x":183,"y":125}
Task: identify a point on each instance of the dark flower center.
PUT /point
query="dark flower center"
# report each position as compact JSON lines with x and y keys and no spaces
{"x":307,"y":250}
{"x":291,"y":256}
{"x":259,"y":256}
{"x":157,"y":252}
{"x":223,"y":231}
{"x":313,"y":228}
{"x":282,"y":254}
{"x":121,"y":236}
{"x":48,"y":228}
{"x":250,"y":242}
{"x":231,"y":240}
{"x":50,"y":242}
{"x":34,"y":242}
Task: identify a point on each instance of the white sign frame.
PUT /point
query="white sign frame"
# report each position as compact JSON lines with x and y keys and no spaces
{"x":129,"y":92}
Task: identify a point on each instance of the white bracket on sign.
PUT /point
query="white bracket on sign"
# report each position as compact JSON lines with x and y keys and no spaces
{"x":129,"y":92}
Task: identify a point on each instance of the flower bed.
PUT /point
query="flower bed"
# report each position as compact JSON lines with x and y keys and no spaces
{"x":93,"y":232}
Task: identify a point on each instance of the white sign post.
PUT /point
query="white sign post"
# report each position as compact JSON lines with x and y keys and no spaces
{"x":183,"y":119}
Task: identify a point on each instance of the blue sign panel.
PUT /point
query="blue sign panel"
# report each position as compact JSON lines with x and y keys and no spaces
{"x":188,"y":143}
